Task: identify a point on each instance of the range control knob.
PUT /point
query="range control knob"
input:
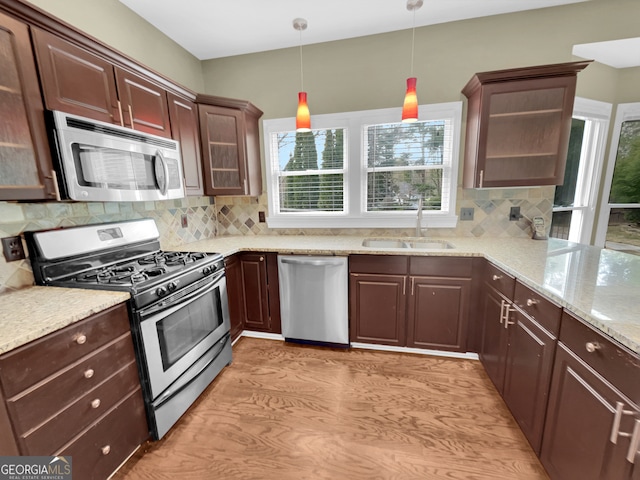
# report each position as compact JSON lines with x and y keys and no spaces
{"x":161,"y":291}
{"x":208,"y":270}
{"x":172,"y":286}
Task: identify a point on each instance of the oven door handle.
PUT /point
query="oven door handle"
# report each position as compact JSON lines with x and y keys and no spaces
{"x":170,"y":393}
{"x":181,"y":301}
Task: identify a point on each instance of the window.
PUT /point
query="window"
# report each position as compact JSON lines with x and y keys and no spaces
{"x":575,"y":200}
{"x":364,"y":169}
{"x":619,"y":222}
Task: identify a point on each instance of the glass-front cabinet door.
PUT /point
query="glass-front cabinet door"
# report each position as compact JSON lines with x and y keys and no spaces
{"x":25,"y":161}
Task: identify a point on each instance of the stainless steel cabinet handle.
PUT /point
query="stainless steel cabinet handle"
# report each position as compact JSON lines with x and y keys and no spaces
{"x":315,"y":263}
{"x":131,"y":115}
{"x":531,"y":302}
{"x":502,"y":304}
{"x":106,"y":449}
{"x":262,"y":259}
{"x":56,"y":188}
{"x":615,"y":428}
{"x":121,"y":116}
{"x":592,"y":346}
{"x":88,"y":373}
{"x":81,"y":339}
{"x":496,"y":277}
{"x":481,"y":178}
{"x":95,"y":403}
{"x":508,"y":309}
{"x":635,"y":443}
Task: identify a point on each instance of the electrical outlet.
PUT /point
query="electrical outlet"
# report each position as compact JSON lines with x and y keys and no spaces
{"x":514,"y":214}
{"x":12,"y":248}
{"x":261,"y":218}
{"x":184,"y":220}
{"x":466,"y":214}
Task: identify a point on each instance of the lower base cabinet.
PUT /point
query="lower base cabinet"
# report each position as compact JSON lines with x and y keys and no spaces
{"x":420,"y":302}
{"x":234,"y":294}
{"x":75,"y":392}
{"x":584,"y":437}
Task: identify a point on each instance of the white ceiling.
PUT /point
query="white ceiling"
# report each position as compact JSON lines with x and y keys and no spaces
{"x":222,"y":28}
{"x":623,"y":53}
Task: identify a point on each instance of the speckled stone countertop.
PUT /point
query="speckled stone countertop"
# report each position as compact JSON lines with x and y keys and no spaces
{"x":601,"y":286}
{"x":33,"y":312}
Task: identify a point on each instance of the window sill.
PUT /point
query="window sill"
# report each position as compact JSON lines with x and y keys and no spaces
{"x":379,"y":221}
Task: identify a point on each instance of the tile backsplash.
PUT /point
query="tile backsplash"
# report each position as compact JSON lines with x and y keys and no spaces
{"x":16,"y":218}
{"x":240,"y":215}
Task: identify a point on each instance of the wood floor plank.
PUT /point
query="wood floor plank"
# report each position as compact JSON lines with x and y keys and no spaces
{"x":283,"y":411}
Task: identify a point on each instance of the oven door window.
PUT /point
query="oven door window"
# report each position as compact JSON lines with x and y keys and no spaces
{"x":103,"y":167}
{"x":181,"y":331}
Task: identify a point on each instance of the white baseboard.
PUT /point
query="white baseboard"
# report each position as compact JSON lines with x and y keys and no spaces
{"x":371,"y":346}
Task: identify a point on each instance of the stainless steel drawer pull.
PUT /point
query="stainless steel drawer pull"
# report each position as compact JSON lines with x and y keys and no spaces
{"x":95,"y":403}
{"x":615,"y":429}
{"x":634,"y":446}
{"x":106,"y":449}
{"x":496,"y":277}
{"x":88,"y":373}
{"x":592,"y":346}
{"x":81,"y":339}
{"x":531,"y":302}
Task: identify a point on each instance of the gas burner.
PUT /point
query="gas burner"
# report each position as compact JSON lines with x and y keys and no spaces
{"x":153,"y":259}
{"x":154,"y":272}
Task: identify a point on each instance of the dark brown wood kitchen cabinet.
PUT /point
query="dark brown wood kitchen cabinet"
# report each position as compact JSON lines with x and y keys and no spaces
{"x":260,"y":292}
{"x":77,"y":81}
{"x":183,"y":114}
{"x":495,"y":310}
{"x":593,"y":407}
{"x":377,"y":299}
{"x":75,"y":392}
{"x":518,"y":125}
{"x":230,"y":146}
{"x":234,"y":294}
{"x":420,"y":302}
{"x":533,"y":328}
{"x":25,"y":158}
{"x":438,"y":303}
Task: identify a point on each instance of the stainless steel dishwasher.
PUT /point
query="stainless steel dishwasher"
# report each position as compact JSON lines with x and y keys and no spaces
{"x":313,"y":298}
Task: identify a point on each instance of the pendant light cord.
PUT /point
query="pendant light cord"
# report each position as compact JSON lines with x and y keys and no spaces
{"x":301,"y":70}
{"x":413,"y":39}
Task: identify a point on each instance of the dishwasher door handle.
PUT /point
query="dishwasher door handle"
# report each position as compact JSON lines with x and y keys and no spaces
{"x":315,"y":263}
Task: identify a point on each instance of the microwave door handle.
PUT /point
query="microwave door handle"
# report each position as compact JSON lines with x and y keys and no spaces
{"x":164,"y":184}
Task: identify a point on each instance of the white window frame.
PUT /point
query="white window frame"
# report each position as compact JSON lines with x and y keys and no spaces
{"x":355,"y":171}
{"x":597,"y":116}
{"x":624,"y":113}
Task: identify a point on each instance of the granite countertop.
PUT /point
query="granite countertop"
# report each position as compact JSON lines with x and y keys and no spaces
{"x":597,"y":285}
{"x":33,"y":312}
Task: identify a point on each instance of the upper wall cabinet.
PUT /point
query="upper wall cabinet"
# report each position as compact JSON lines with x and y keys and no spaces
{"x":518,"y":125}
{"x":25,"y":159}
{"x":77,"y":81}
{"x":184,"y":125}
{"x":230,"y":146}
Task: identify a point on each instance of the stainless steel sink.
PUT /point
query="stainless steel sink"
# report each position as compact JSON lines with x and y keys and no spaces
{"x":383,"y":243}
{"x":409,"y":243}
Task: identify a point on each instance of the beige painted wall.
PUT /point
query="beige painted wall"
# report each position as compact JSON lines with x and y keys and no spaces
{"x":116,"y":25}
{"x":370,"y":72}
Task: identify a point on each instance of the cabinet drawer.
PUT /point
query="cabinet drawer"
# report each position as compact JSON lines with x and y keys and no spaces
{"x":66,"y":424}
{"x":31,"y":363}
{"x":107,"y":443}
{"x":499,"y":279}
{"x":441,"y":266}
{"x":538,"y":307}
{"x":379,"y":264}
{"x":618,"y":365}
{"x":36,"y":405}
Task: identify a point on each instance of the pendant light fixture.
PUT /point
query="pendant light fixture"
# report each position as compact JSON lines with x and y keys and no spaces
{"x":303,"y":117}
{"x":410,"y":105}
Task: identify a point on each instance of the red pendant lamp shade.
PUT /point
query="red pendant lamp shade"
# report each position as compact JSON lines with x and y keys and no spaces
{"x":410,"y":105}
{"x":303,"y":118}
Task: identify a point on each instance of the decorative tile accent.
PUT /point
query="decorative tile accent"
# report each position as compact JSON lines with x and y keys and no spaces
{"x":239,"y":215}
{"x":18,"y":218}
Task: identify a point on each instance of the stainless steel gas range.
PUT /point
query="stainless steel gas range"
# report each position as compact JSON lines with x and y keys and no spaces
{"x":179,"y":309}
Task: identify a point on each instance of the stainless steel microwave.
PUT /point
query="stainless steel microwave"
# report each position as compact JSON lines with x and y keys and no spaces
{"x":102,"y":162}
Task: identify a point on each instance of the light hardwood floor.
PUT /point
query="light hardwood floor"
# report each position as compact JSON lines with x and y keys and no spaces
{"x":284,"y":411}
